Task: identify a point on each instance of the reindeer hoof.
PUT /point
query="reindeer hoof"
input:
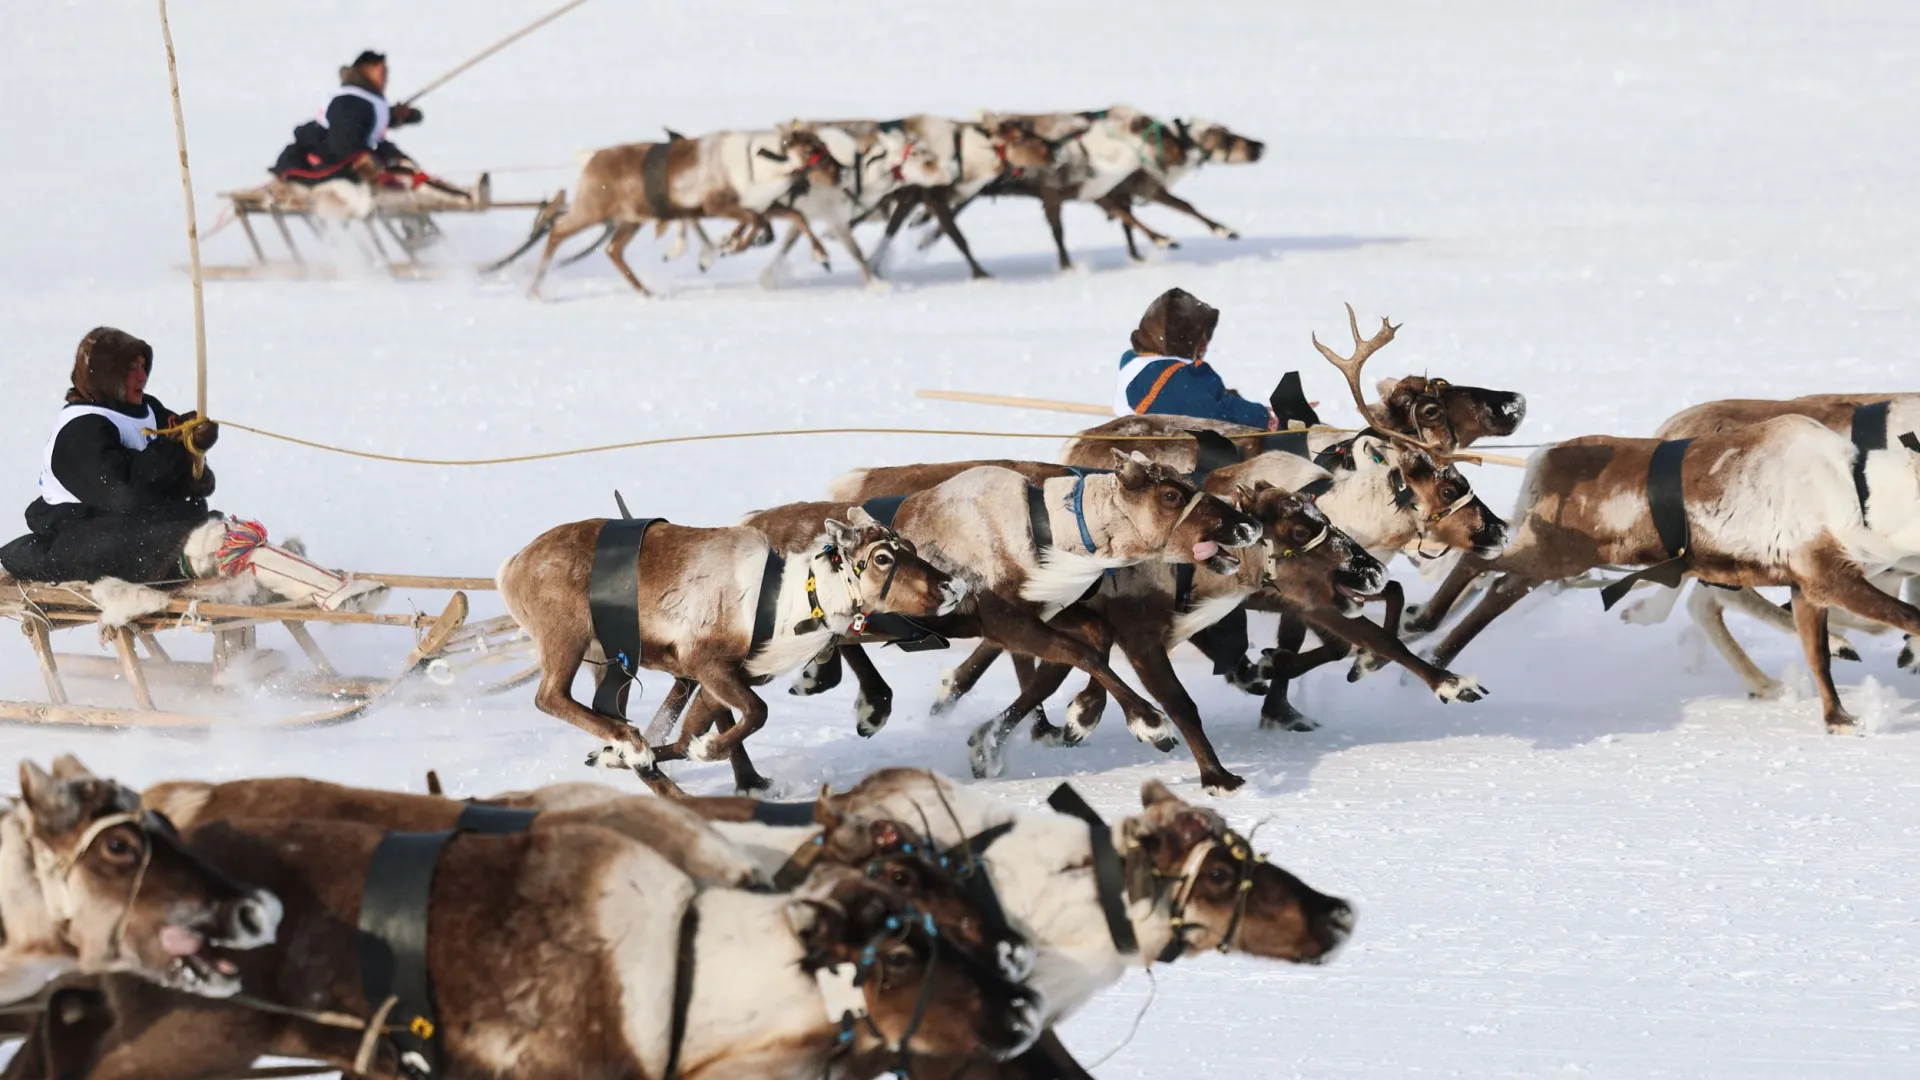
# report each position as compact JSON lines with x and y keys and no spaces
{"x":1252,"y":678}
{"x":753,"y":785}
{"x":1905,"y":662}
{"x":1459,"y":688}
{"x":1847,"y":652}
{"x":1225,"y":233}
{"x":983,"y":752}
{"x":1293,"y":720}
{"x":1223,"y":783}
{"x":1047,"y":733}
{"x":622,"y":756}
{"x":703,"y":747}
{"x":1842,"y":724}
{"x":871,"y":716}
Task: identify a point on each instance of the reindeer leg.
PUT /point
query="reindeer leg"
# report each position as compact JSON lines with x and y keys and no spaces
{"x":874,"y":704}
{"x":1167,"y":198}
{"x":1084,"y":711}
{"x":728,"y":685}
{"x":944,"y":213}
{"x":903,"y":203}
{"x":708,"y":253}
{"x":1503,"y":594}
{"x":1367,"y":634}
{"x":622,"y":747}
{"x":617,"y":251}
{"x":1155,"y":668}
{"x":1423,"y":619}
{"x":958,"y":681}
{"x":1118,"y":207}
{"x":843,"y":232}
{"x":771,"y":275}
{"x":561,"y":230}
{"x":801,"y":223}
{"x":821,"y":674}
{"x":1810,"y":619}
{"x":1050,"y":199}
{"x":984,"y":745}
{"x":1750,"y":603}
{"x":1276,"y":712}
{"x":1837,"y":584}
{"x":1906,"y":659}
{"x":1366,"y":663}
{"x":1708,"y":612}
{"x":1133,"y":253}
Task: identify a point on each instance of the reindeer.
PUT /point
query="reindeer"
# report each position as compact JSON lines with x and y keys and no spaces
{"x":578,"y":968}
{"x":976,"y":155}
{"x":91,"y":884}
{"x":1771,"y":503}
{"x":737,"y":175}
{"x":1707,"y":606}
{"x":702,"y":627}
{"x":979,"y":524}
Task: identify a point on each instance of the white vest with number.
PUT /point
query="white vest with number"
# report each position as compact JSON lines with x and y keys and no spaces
{"x":382,"y":112}
{"x":133,"y":436}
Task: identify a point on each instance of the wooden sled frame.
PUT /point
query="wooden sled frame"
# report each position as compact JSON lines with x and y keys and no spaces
{"x":262,"y":201}
{"x":445,"y":646}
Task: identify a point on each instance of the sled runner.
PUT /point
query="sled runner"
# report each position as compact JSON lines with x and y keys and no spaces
{"x":405,"y":215}
{"x":446,"y":648}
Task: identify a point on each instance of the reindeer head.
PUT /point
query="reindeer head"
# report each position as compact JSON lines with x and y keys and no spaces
{"x":1222,"y":895}
{"x":878,"y":954}
{"x":1311,"y":563}
{"x":1451,"y":516}
{"x":896,"y":855}
{"x":1197,"y":527}
{"x":1210,"y":142}
{"x":132,"y":897}
{"x":806,"y":157}
{"x":1437,"y":411}
{"x":907,"y":160}
{"x":885,"y":572}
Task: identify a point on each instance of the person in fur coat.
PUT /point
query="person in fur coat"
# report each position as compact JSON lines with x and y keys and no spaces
{"x":119,"y":499}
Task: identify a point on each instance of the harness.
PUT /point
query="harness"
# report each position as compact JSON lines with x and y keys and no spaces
{"x":1107,"y":869}
{"x":1668,"y":504}
{"x":1213,"y":451}
{"x":394,"y":902}
{"x":653,"y":177}
{"x":1244,"y":858}
{"x":1289,"y":402}
{"x":613,"y":602}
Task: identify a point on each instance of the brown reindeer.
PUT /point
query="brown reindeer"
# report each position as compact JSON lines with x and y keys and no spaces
{"x":91,"y":884}
{"x":976,"y":155}
{"x":1707,"y":606}
{"x":1772,"y":503}
{"x":702,"y":628}
{"x":553,"y":954}
{"x":737,"y":175}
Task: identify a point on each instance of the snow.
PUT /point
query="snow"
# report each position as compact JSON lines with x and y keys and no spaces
{"x":1616,"y":865}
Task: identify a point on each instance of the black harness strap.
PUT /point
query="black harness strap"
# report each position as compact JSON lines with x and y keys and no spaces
{"x":1869,"y":434}
{"x":1290,"y":403}
{"x":1106,"y":867}
{"x":974,"y":880}
{"x":653,"y":179}
{"x":893,"y":628}
{"x":613,"y":600}
{"x":1667,"y":501}
{"x":1226,"y":641}
{"x":884,"y":508}
{"x":494,"y":820}
{"x":783,"y":814}
{"x":769,"y":598}
{"x":1317,"y":488}
{"x":393,"y":943}
{"x":1037,"y":517}
{"x":1339,"y":455}
{"x":682,"y":988}
{"x":1182,"y":587}
{"x":1911,"y":442}
{"x":1287,"y":442}
{"x":1212,"y":451}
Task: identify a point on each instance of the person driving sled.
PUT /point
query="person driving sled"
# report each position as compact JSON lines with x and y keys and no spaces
{"x":1165,"y":371}
{"x":119,"y":500}
{"x":348,"y":139}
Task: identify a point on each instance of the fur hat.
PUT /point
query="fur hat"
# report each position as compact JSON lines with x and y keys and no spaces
{"x":368,"y":56}
{"x":102,"y":362}
{"x":1177,"y":323}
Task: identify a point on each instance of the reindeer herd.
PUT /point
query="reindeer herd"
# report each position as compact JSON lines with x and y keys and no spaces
{"x":1158,"y":530}
{"x":839,"y":173}
{"x":906,"y":924}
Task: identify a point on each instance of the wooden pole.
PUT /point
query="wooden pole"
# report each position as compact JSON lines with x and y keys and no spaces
{"x":193,"y":238}
{"x":494,"y":48}
{"x":1046,"y":404}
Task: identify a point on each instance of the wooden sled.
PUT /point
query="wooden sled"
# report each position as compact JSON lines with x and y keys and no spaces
{"x":445,"y":648}
{"x":407,"y":218}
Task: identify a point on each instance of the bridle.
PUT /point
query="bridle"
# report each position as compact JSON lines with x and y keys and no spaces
{"x":853,"y":572}
{"x":59,"y":869}
{"x":1238,"y":848}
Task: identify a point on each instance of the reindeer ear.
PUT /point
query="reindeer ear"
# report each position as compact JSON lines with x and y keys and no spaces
{"x":68,"y":767}
{"x":51,"y":801}
{"x":1153,"y":793}
{"x":842,"y":535}
{"x":1262,"y":485}
{"x":858,"y":517}
{"x":1386,"y":387}
{"x":819,"y":926}
{"x":1192,"y":827}
{"x":1243,"y":497}
{"x":1131,"y":470}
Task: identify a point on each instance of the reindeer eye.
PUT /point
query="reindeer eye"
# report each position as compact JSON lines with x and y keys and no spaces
{"x":119,"y":846}
{"x":1169,"y":496}
{"x":1299,"y":533}
{"x":881,"y":558}
{"x":902,"y":879}
{"x":900,"y":960}
{"x":1220,"y":875}
{"x":1430,"y":411}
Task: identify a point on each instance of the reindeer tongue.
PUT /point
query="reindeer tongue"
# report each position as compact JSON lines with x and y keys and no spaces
{"x":1204,"y":550}
{"x":180,"y":941}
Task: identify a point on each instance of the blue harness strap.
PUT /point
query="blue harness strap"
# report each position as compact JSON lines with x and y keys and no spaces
{"x":1074,"y":500}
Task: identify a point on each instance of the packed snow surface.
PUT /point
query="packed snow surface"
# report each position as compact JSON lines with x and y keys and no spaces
{"x":1614,"y":866}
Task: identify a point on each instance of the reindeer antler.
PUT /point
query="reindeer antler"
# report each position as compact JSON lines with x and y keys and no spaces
{"x":1350,"y":366}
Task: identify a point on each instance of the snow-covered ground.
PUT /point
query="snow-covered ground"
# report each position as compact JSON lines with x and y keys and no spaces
{"x":1614,"y":866}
